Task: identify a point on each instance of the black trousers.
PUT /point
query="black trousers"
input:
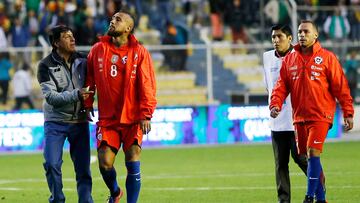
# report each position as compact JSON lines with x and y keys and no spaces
{"x":4,"y":86}
{"x":20,"y":100}
{"x":284,"y":144}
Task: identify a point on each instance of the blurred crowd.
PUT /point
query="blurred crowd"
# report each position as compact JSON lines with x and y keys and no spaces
{"x":24,"y":23}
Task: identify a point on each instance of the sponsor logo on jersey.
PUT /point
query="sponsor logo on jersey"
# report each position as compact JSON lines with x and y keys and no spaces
{"x":315,"y":67}
{"x":318,"y":60}
{"x":314,"y":73}
{"x":114,"y":58}
{"x":293,"y":68}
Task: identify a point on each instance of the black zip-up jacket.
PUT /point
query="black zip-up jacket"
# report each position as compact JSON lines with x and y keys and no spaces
{"x":61,"y":85}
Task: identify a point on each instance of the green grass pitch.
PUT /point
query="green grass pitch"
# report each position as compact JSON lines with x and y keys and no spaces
{"x":224,"y":173}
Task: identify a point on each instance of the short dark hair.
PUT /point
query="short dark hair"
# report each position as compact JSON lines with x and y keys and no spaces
{"x":312,"y":23}
{"x":55,"y":33}
{"x":284,"y":28}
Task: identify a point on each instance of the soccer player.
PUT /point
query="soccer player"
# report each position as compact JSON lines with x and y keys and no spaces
{"x":314,"y":78}
{"x":121,"y":70}
{"x":282,"y":129}
{"x":61,"y":76}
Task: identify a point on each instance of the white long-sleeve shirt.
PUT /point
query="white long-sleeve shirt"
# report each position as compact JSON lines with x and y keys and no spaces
{"x":272,"y":65}
{"x":22,"y":83}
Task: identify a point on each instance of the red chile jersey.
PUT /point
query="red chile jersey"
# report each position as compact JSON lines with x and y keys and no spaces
{"x":124,"y":80}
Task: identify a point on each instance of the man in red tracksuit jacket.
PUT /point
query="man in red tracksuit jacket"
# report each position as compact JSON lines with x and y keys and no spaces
{"x":121,"y":71}
{"x":314,"y":78}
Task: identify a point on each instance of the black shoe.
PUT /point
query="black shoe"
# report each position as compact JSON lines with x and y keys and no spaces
{"x":308,"y":199}
{"x":321,"y":201}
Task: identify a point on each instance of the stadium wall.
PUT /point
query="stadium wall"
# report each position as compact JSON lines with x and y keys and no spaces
{"x":221,"y":124}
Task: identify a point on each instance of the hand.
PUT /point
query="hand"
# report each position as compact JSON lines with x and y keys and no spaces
{"x":145,"y":126}
{"x":89,"y":114}
{"x":274,"y":112}
{"x":85,"y":92}
{"x":349,"y":123}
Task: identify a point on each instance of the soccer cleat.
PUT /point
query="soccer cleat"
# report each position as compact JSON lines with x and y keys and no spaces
{"x":115,"y":199}
{"x":321,"y":201}
{"x":308,"y":199}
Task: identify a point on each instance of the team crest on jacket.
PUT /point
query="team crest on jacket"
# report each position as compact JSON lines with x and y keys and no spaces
{"x":124,"y":59}
{"x":318,"y":60}
{"x":114,"y":58}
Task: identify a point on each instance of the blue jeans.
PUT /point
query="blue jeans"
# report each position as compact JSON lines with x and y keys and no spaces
{"x":78,"y":136}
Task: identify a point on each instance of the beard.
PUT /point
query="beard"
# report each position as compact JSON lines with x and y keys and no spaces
{"x":113,"y":33}
{"x":303,"y":44}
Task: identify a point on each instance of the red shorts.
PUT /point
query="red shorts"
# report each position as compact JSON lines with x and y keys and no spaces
{"x":126,"y":135}
{"x":310,"y":135}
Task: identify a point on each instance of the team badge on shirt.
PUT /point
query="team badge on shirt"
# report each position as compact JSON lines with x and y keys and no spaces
{"x":318,"y":60}
{"x":114,"y":58}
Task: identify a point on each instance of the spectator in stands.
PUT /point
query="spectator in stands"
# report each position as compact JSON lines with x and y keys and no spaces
{"x":337,"y":26}
{"x":33,"y":5}
{"x":87,"y":35}
{"x":234,"y":17}
{"x":20,"y":37}
{"x":33,"y":24}
{"x":354,"y":21}
{"x":112,"y":6}
{"x":217,"y":8}
{"x":136,"y":6}
{"x":79,"y":19}
{"x":176,"y":34}
{"x":48,"y":19}
{"x":20,"y":33}
{"x":22,"y":83}
{"x":351,"y":67}
{"x":63,"y":17}
{"x":278,"y":11}
{"x":194,"y":11}
{"x":337,"y":29}
{"x":164,"y":9}
{"x":4,"y":25}
{"x":5,"y":66}
{"x":3,"y":40}
{"x":308,"y":13}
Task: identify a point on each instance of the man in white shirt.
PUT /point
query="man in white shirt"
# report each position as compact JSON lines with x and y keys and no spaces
{"x":282,"y":129}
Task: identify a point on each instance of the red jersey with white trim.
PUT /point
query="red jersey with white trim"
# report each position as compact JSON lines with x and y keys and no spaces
{"x":125,"y":82}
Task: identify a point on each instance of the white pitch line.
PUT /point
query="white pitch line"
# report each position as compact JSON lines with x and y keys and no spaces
{"x":10,"y":189}
{"x":172,"y":176}
{"x":194,"y":188}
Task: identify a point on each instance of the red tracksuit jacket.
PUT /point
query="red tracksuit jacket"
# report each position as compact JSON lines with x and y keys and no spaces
{"x":137,"y":90}
{"x":313,"y":86}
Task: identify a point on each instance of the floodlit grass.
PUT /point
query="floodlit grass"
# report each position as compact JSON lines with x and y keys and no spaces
{"x":224,"y":173}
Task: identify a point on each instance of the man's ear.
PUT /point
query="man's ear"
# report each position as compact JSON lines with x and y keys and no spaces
{"x":56,"y":43}
{"x":128,"y":29}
